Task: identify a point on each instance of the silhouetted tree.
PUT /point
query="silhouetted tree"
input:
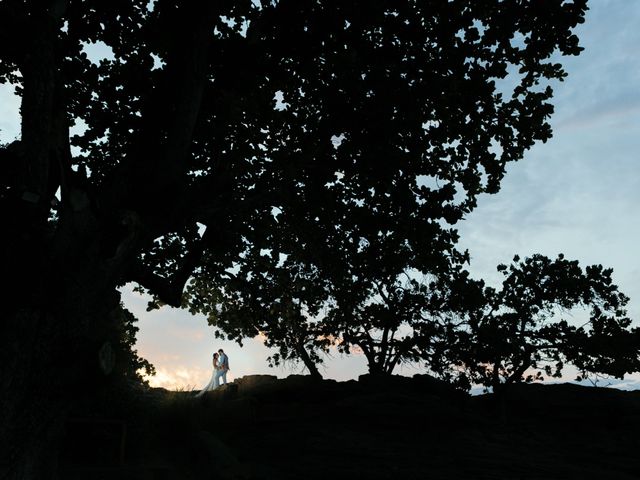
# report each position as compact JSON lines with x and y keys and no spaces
{"x":406,"y":319}
{"x":532,"y":326}
{"x":206,"y":115}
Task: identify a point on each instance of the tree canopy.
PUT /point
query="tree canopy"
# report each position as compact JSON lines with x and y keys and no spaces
{"x":183,"y":125}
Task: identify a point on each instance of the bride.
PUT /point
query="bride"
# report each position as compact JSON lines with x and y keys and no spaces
{"x":213,"y":383}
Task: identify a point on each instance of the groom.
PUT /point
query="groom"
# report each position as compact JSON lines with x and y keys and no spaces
{"x":223,"y":366}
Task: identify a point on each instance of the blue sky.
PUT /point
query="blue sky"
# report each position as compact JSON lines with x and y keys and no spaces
{"x":577,"y":194}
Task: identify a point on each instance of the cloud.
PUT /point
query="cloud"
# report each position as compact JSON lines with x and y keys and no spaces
{"x":179,"y":378}
{"x":9,"y":113}
{"x":604,"y":76}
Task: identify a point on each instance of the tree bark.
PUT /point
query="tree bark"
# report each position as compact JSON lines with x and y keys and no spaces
{"x":49,"y":364}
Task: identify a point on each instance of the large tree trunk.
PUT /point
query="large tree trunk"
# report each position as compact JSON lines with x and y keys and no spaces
{"x":52,"y":331}
{"x":31,"y":414}
{"x":49,"y":363}
{"x":59,"y":314}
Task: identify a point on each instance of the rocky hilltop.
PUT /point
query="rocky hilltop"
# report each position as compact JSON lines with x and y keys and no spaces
{"x":261,"y":427}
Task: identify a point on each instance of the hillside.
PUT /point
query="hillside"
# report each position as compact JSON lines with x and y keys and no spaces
{"x":261,"y":427}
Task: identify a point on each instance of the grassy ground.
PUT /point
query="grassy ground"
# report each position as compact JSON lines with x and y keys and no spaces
{"x":295,"y":428}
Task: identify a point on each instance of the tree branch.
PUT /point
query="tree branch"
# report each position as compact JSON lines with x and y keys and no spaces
{"x":169,"y":290}
{"x":42,"y":109}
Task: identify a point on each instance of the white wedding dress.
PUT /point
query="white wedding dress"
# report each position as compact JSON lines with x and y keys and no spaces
{"x":213,"y":383}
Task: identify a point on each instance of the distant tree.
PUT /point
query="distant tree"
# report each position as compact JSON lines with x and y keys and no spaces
{"x":201,"y":118}
{"x":406,"y":319}
{"x":532,"y":327}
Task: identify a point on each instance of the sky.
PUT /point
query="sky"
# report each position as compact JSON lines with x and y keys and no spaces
{"x":577,"y":194}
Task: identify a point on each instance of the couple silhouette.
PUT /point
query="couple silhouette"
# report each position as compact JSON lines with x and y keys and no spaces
{"x":220,"y":369}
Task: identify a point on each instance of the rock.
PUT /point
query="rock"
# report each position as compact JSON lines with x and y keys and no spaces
{"x":384,"y":381}
{"x":302,"y":382}
{"x":249,"y":382}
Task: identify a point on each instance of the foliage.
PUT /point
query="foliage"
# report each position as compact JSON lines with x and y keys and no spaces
{"x":129,"y":364}
{"x":391,"y":120}
{"x":183,"y":127}
{"x":401,"y":320}
{"x":530,"y":328}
